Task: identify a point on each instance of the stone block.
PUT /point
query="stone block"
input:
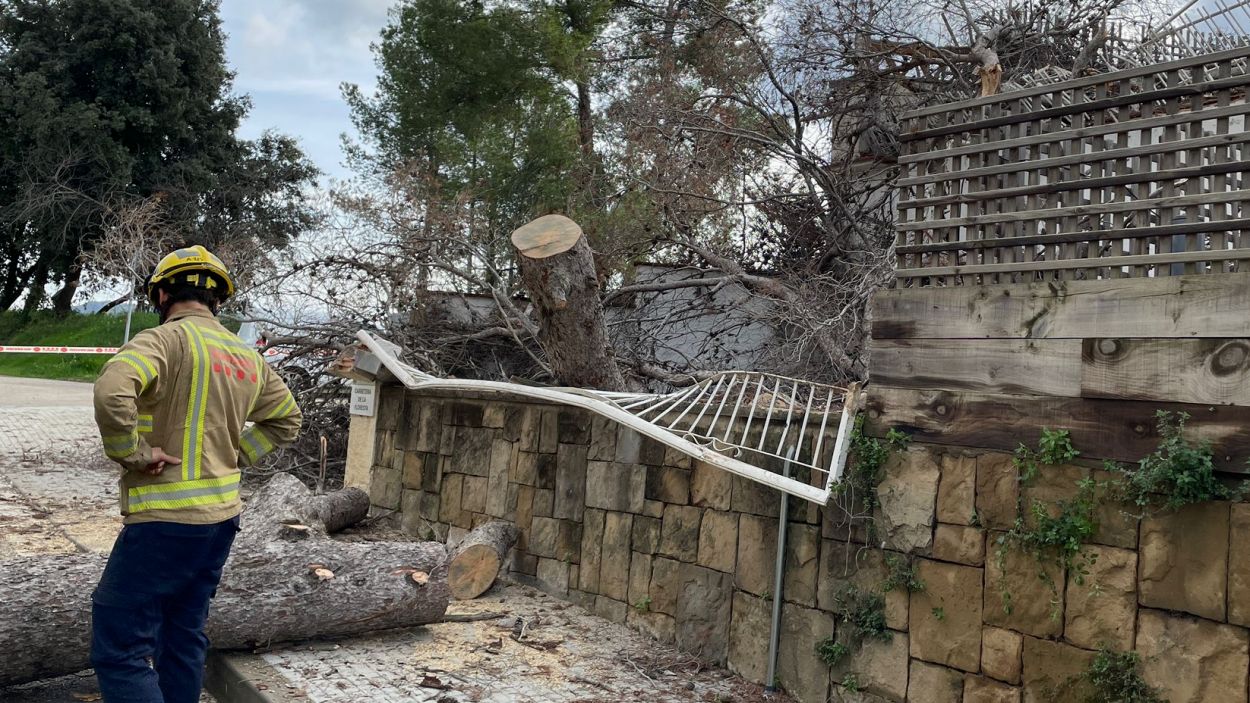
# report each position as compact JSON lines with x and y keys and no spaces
{"x":390,"y":406}
{"x":838,"y":694}
{"x":879,"y":666}
{"x":960,"y":544}
{"x":983,"y":690}
{"x":524,"y":509}
{"x":570,"y":481}
{"x":679,"y":533}
{"x":647,"y":534}
{"x":473,"y":495}
{"x":514,"y":415}
{"x":640,"y":580}
{"x":545,"y":472}
{"x":1117,"y":522}
{"x":602,"y":439}
{"x":628,"y":446}
{"x":802,"y":568}
{"x":930,"y":683}
{"x":1051,"y":485}
{"x":549,"y":432}
{"x":449,"y":506}
{"x":955,"y":638}
{"x":1184,"y":560}
{"x":414,"y":464}
{"x":1239,"y":566}
{"x":447,"y":440}
{"x":651,"y":452}
{"x":592,"y":550}
{"x":845,"y":564}
{"x":582,"y":599}
{"x":668,"y":484}
{"x":573,"y":426}
{"x":619,"y":487}
{"x":757,"y":554}
{"x":653,"y":508}
{"x":1052,"y":672}
{"x":1102,"y":611}
{"x":494,"y":415}
{"x":611,"y":610}
{"x":908,"y":496}
{"x":665,"y":588}
{"x":657,"y":625}
{"x":703,"y":612}
{"x":681,"y":460}
{"x":465,"y":413}
{"x":718,"y":540}
{"x":429,"y":506}
{"x":614,"y":567}
{"x":544,"y":532}
{"x":410,"y":513}
{"x":429,"y":421}
{"x":524,"y":564}
{"x":1023,"y":593}
{"x":473,"y":451}
{"x":956,"y":500}
{"x":754,"y":498}
{"x":525,"y":469}
{"x":1191,"y":660}
{"x":544,"y":502}
{"x":569,"y":542}
{"x":845,"y":519}
{"x":553,"y":576}
{"x":432,"y":473}
{"x":799,"y":668}
{"x":1000,"y":654}
{"x":529,"y":436}
{"x":386,"y":486}
{"x":997,"y":491}
{"x":711,"y":487}
{"x":748,"y":650}
{"x":497,"y":484}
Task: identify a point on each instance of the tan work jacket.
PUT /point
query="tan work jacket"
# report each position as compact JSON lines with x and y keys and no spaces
{"x":189,"y":387}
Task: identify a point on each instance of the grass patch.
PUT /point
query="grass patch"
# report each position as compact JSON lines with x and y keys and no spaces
{"x":74,"y":330}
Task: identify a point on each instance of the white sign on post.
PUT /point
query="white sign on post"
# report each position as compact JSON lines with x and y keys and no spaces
{"x":363,"y":397}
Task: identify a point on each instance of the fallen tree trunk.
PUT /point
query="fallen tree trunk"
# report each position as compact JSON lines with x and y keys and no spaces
{"x":476,"y":559}
{"x":285,"y":580}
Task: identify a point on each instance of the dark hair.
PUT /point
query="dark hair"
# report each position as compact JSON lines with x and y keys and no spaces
{"x":181,"y":293}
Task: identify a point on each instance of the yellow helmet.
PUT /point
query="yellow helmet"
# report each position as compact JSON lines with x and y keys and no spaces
{"x":193,"y":266}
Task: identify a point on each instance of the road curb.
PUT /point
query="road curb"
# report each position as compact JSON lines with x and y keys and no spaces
{"x":244,"y":678}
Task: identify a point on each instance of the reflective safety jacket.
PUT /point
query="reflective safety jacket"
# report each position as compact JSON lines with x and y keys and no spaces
{"x":189,"y":387}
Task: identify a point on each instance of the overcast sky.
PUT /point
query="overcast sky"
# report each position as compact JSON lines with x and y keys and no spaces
{"x":291,"y":56}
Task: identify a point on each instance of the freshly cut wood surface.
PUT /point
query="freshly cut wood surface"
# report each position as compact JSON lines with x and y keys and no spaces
{"x":547,"y":236}
{"x":1123,"y":430}
{"x":476,"y":559}
{"x":1174,"y":306}
{"x":279,"y":585}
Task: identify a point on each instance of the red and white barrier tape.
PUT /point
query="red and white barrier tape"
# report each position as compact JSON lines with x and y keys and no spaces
{"x":5,"y":349}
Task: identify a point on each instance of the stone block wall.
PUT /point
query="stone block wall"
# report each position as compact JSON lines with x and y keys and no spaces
{"x":685,"y":552}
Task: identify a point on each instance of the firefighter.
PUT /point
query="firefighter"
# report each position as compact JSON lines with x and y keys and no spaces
{"x":172,"y":406}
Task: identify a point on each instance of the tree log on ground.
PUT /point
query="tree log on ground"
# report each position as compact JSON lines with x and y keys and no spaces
{"x":475,"y":560}
{"x":558,"y":270}
{"x":286,"y":580}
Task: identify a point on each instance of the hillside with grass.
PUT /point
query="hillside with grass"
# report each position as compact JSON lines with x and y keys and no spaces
{"x":74,"y":330}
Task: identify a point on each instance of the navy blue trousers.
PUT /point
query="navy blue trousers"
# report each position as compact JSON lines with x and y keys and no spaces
{"x":147,"y":633}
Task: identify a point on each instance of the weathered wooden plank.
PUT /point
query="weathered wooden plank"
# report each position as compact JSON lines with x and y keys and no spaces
{"x":1084,"y":81}
{"x":1175,"y":306}
{"x":1210,"y":371}
{"x":1063,"y":237}
{"x":1019,"y":366}
{"x":1066,"y":264}
{"x":1122,"y":430}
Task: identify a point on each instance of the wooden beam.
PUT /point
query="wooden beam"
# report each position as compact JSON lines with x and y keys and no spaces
{"x":1121,"y":430}
{"x":1014,"y":366}
{"x":1208,"y":371}
{"x":1208,"y":305}
{"x":1086,"y":263}
{"x":1080,"y":236}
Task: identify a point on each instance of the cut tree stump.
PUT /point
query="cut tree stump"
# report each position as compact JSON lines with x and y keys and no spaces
{"x":476,"y":559}
{"x":558,"y":269}
{"x":282,"y":583}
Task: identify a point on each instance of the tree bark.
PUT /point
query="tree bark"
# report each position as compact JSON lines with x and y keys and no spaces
{"x":475,"y":561}
{"x":270,"y":590}
{"x":558,"y":269}
{"x":63,"y":299}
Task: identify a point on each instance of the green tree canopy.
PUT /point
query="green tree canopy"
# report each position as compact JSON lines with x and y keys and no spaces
{"x":103,"y":103}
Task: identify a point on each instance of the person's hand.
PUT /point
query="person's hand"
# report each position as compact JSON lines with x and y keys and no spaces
{"x":159,"y":460}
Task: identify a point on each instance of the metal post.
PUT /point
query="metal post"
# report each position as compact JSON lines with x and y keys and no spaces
{"x":130,"y":310}
{"x":774,"y":635}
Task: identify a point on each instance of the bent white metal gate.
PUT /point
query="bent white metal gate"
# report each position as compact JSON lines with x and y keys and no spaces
{"x":724,"y":421}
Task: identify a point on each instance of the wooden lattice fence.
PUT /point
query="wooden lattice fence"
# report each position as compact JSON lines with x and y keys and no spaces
{"x":1137,"y":173}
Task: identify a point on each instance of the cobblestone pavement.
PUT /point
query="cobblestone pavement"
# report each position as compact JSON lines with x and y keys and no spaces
{"x":571,"y":657}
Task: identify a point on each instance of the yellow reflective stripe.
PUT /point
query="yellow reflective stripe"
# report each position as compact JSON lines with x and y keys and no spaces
{"x":120,"y":446}
{"x":193,"y":435}
{"x":184,"y":494}
{"x":255,"y":444}
{"x":225,"y":338}
{"x":145,"y":424}
{"x":286,"y":408}
{"x":145,"y":368}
